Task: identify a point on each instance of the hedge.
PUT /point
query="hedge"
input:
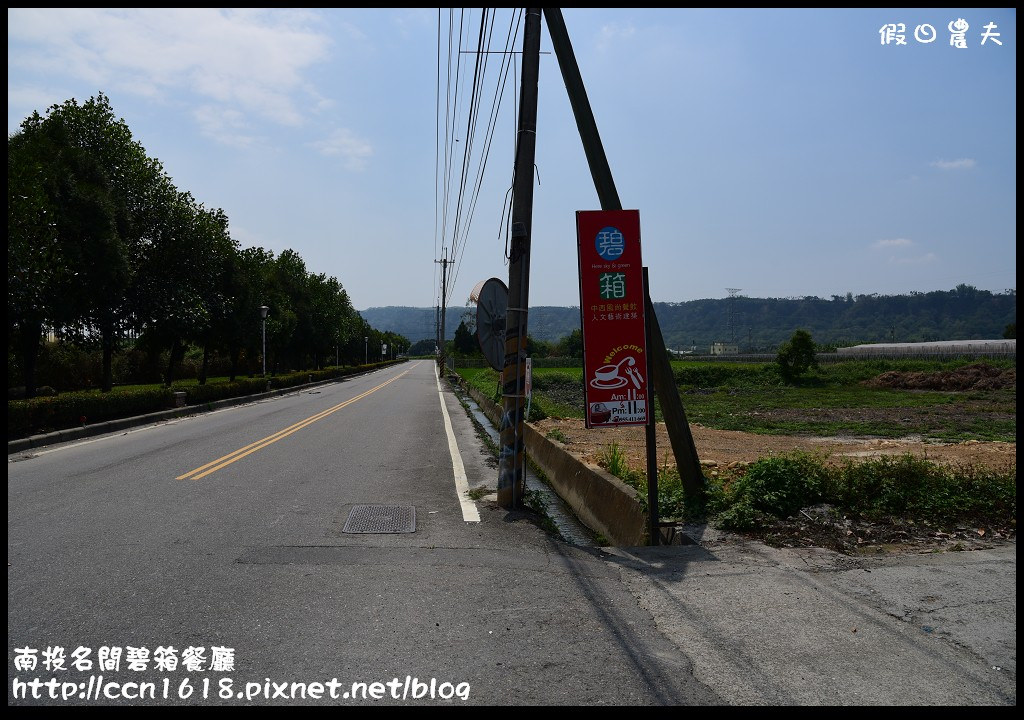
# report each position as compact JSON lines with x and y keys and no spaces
{"x":199,"y":394}
{"x":67,"y":410}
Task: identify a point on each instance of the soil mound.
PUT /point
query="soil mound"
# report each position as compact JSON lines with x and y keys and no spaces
{"x":978,"y":376}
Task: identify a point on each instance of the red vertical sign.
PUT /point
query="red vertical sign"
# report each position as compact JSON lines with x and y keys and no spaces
{"x":612,"y":310}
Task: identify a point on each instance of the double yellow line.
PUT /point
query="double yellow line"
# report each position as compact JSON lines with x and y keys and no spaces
{"x":211,"y":467}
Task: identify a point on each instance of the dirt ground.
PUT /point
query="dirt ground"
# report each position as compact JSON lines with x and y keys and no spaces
{"x":725,"y":451}
{"x":819,"y":526}
{"x":727,"y":448}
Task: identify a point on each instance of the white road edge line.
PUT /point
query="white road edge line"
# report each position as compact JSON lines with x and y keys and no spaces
{"x":469,"y":509}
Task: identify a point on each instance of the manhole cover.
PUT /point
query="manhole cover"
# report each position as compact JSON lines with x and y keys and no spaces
{"x":381,"y":519}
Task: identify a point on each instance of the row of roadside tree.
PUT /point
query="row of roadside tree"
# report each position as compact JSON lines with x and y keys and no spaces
{"x":104,"y":252}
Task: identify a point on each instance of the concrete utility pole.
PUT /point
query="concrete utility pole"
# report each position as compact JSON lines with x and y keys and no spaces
{"x":444,"y":291}
{"x":511,"y":481}
{"x":664,"y":381}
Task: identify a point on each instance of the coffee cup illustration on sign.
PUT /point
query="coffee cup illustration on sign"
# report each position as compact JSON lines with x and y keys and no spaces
{"x":609,"y":377}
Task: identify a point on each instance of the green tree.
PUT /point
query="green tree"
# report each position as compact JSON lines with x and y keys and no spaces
{"x":537,"y":348}
{"x":327,"y":320}
{"x":218,"y":254}
{"x":396,"y":343}
{"x":1010,"y":333}
{"x":85,"y":263}
{"x":465,"y":341}
{"x":239,"y":330}
{"x":571,"y":346}
{"x":180,"y":287}
{"x":422,"y":347}
{"x":95,"y":181}
{"x":35,"y":258}
{"x":796,"y":356}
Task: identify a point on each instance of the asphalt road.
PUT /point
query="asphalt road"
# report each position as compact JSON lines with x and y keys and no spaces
{"x":226,"y":530}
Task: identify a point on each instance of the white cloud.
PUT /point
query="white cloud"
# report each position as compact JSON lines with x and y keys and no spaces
{"x":925,"y":259}
{"x":354,"y":150}
{"x":32,"y":97}
{"x":612,"y":34}
{"x":903,"y":245}
{"x":892,"y":243}
{"x":248,"y":61}
{"x":224,"y":125}
{"x":961,"y":164}
{"x":410,"y":21}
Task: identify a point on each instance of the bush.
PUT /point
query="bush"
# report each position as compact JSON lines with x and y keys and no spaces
{"x":672,"y":500}
{"x":879,"y":489}
{"x":199,"y":394}
{"x":721,"y":374}
{"x":910,"y":486}
{"x":135,"y":366}
{"x":778,"y":486}
{"x":65,"y":366}
{"x":67,"y":410}
{"x":301,"y":378}
{"x":44,"y":414}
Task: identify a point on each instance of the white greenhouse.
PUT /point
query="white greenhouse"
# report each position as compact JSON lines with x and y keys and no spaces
{"x":941,"y":348}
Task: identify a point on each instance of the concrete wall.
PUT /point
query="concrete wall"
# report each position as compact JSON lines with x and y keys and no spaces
{"x":600,"y":500}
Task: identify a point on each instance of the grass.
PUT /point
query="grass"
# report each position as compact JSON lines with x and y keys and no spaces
{"x":831,"y":401}
{"x":751,"y":397}
{"x":672,"y":504}
{"x":479,"y":493}
{"x":556,"y":434}
{"x":881,"y":489}
{"x":613,"y":459}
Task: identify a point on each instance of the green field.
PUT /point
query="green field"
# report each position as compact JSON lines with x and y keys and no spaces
{"x":832,"y":400}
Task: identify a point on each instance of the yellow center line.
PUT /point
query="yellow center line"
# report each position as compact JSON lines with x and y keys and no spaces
{"x":215,"y":465}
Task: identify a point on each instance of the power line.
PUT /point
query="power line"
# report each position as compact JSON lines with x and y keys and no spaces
{"x":489,"y":132}
{"x":467,"y":146}
{"x":456,"y":198}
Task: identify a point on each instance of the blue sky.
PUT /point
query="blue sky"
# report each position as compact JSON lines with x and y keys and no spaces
{"x":782,"y":152}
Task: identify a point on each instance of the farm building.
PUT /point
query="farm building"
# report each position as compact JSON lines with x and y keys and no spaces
{"x":1003,"y":348}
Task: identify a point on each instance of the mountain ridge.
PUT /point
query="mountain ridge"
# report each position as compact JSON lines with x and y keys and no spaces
{"x":760,"y":324}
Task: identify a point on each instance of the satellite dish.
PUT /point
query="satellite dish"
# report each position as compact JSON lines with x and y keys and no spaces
{"x":491,"y":303}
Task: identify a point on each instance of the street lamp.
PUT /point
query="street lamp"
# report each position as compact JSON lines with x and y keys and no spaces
{"x":366,"y":351}
{"x":263,"y":316}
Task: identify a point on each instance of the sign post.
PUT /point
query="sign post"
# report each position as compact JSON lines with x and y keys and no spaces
{"x":529,"y":387}
{"x":615,"y":376}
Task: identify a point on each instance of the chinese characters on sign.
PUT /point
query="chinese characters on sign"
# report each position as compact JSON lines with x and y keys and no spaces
{"x":612,"y":314}
{"x":135,"y":659}
{"x":101,"y":687}
{"x":925,"y":33}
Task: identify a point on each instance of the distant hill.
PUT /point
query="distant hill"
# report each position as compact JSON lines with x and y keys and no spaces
{"x":414,"y":323}
{"x":761,"y":324}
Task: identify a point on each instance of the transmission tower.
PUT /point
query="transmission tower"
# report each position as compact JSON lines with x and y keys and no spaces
{"x":731,"y":312}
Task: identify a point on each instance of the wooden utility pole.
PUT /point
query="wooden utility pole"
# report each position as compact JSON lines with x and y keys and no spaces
{"x":511,"y":480}
{"x":664,"y":381}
